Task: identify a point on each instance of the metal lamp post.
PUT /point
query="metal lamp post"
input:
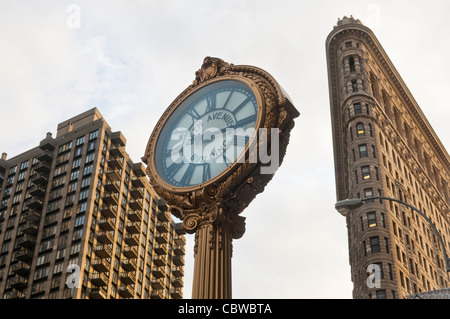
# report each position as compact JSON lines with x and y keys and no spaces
{"x":344,"y":206}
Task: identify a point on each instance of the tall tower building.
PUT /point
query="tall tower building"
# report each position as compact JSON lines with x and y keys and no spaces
{"x":384,"y":145}
{"x":79,"y":219}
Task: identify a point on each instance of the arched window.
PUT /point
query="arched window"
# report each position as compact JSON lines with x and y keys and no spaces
{"x":360,"y":129}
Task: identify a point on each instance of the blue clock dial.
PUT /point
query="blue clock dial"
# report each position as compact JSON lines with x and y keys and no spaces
{"x":206,"y":133}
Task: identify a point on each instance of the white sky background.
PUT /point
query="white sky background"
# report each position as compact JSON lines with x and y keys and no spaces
{"x":131,"y":59}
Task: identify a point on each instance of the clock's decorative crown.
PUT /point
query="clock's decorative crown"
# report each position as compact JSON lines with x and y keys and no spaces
{"x":210,"y":68}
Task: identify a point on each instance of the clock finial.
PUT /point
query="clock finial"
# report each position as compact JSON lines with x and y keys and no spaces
{"x":210,"y":68}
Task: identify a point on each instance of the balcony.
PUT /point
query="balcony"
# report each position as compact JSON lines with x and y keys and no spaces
{"x":132,"y":239}
{"x":101,"y":265}
{"x":42,"y":167}
{"x":163,"y":216}
{"x":32,"y":216}
{"x":106,"y":224}
{"x":138,"y":169}
{"x":137,"y":193}
{"x":99,"y":279}
{"x":179,"y":230}
{"x":18,"y":282}
{"x":113,"y":175}
{"x":178,"y":271}
{"x":159,"y":260}
{"x":160,"y":249}
{"x":179,"y":240}
{"x":136,"y":204}
{"x":179,"y":250}
{"x":24,"y":254}
{"x":177,"y":282}
{"x":178,"y":260}
{"x":127,"y":278}
{"x":129,"y":265}
{"x":126,"y":291}
{"x":134,"y":216}
{"x":45,"y":156}
{"x":115,"y":162}
{"x":39,"y":179}
{"x":176,"y":293}
{"x":133,"y":228}
{"x":37,"y":190}
{"x":30,"y":228}
{"x":21,"y":268}
{"x":117,"y":151}
{"x":36,"y":203}
{"x":103,"y":251}
{"x":111,"y":199}
{"x":159,"y":272}
{"x":138,"y":182}
{"x":109,"y":211}
{"x":97,"y":293}
{"x":27,"y":241}
{"x":14,"y":294}
{"x":162,"y":227}
{"x":112,"y":187}
{"x":158,"y":283}
{"x":157,"y":294}
{"x":130,"y":252}
{"x":162,"y":238}
{"x":105,"y":238}
{"x":118,"y":139}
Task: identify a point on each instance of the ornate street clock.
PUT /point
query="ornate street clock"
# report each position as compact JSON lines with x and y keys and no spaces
{"x":206,"y":158}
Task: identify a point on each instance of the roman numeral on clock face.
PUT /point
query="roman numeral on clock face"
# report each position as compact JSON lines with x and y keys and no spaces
{"x":187,"y":175}
{"x":206,"y":172}
{"x":210,"y":102}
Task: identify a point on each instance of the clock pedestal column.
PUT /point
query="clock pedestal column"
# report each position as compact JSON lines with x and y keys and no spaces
{"x":214,"y":233}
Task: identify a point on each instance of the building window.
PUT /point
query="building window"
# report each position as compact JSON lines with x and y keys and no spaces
{"x":348,"y":44}
{"x":383,"y":220}
{"x":65,"y":147}
{"x":357,"y":108}
{"x":363,"y":150}
{"x":365,"y":170}
{"x":80,"y":140}
{"x":24,"y":165}
{"x":354,"y":86}
{"x":368,"y":192}
{"x":91,"y":146}
{"x":360,"y":129}
{"x":351,"y":62}
{"x":372,"y":219}
{"x":93,"y":135}
{"x":78,"y":151}
{"x":375,"y":244}
{"x":12,"y":170}
{"x":381,"y":294}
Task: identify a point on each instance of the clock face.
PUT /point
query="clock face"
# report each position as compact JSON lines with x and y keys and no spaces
{"x":206,"y":133}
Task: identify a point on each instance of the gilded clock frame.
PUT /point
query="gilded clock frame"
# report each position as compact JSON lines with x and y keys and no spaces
{"x":235,"y":187}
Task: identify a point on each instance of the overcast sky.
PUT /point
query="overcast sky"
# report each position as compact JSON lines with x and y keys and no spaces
{"x":131,"y":59}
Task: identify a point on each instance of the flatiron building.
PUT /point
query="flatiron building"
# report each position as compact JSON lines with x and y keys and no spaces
{"x":384,"y":145}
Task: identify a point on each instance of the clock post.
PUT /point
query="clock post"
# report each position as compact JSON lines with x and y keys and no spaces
{"x":209,"y":191}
